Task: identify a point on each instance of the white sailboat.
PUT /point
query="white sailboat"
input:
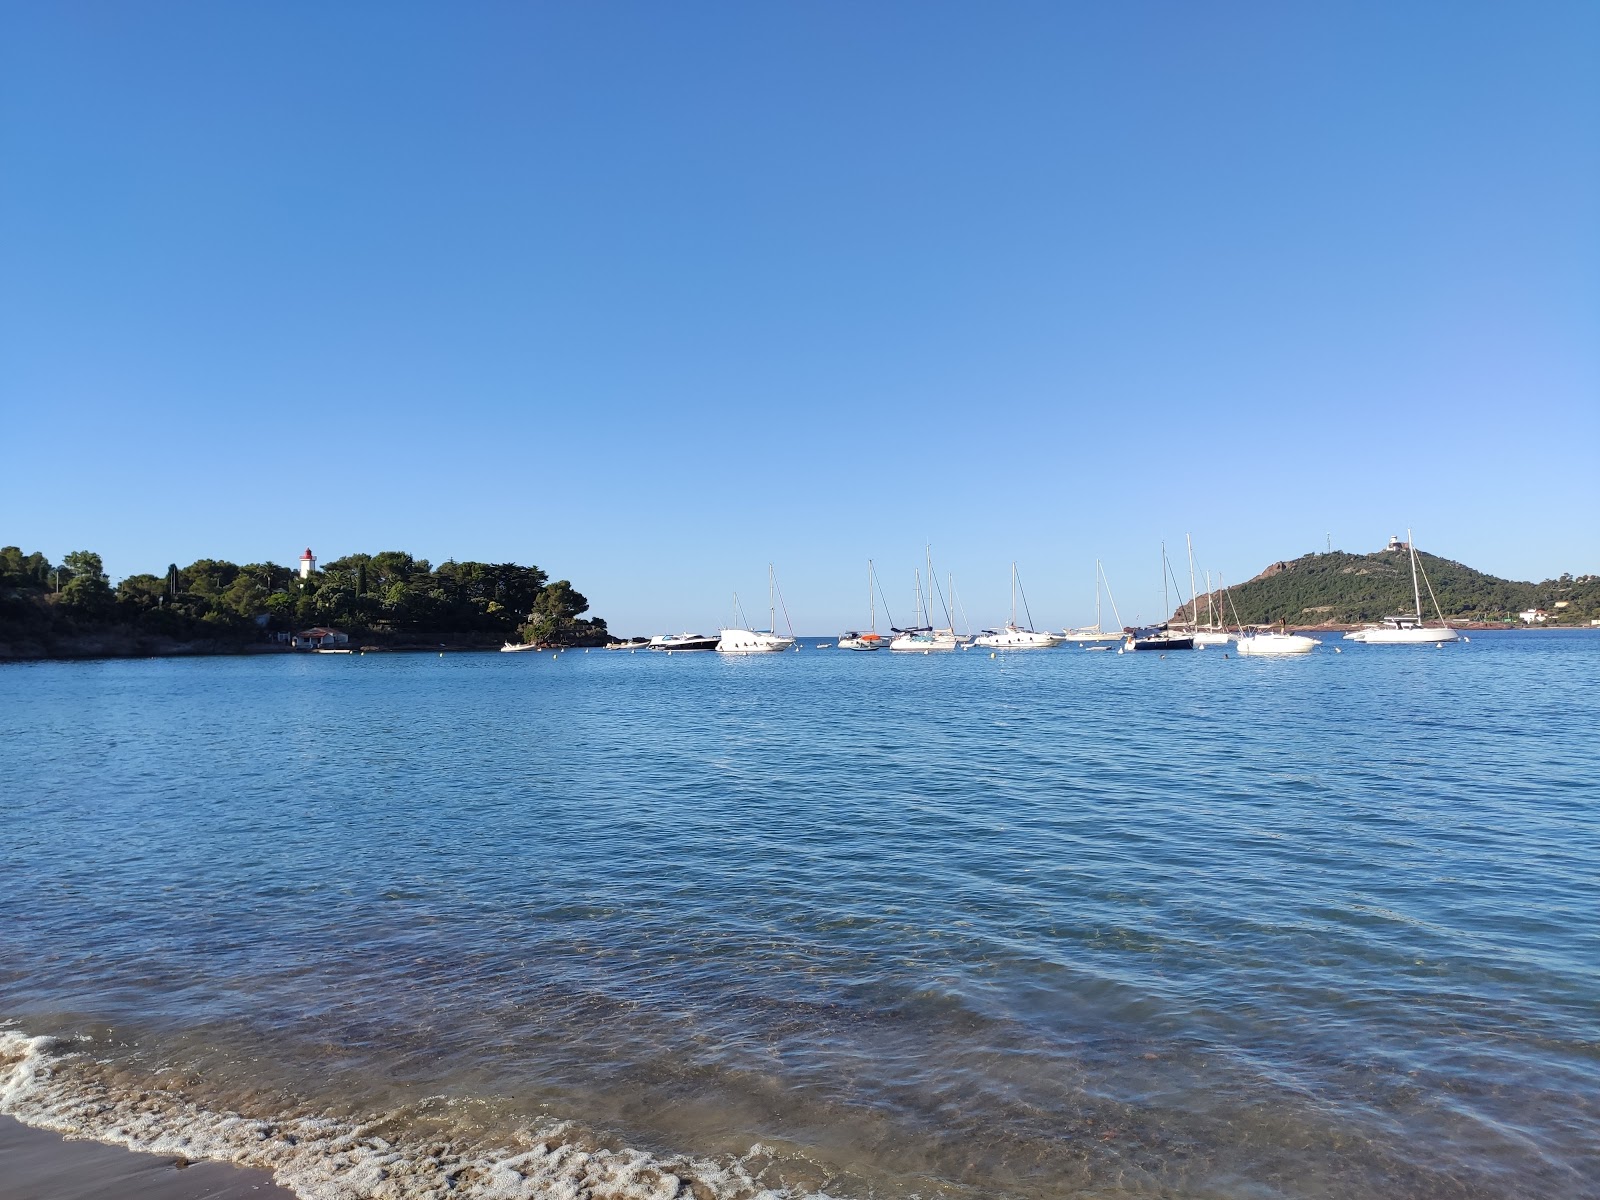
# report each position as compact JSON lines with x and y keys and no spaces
{"x":1093,"y":633}
{"x":1213,"y":635}
{"x":922,"y":636}
{"x":758,"y":641}
{"x":870,"y":640}
{"x":1407,"y":630}
{"x":1014,"y":636}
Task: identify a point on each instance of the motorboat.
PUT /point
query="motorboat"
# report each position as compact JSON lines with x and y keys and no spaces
{"x":743,"y":640}
{"x":517,"y":647}
{"x":925,"y":639}
{"x":1408,"y":629}
{"x":1268,"y":642}
{"x":637,"y":643}
{"x":1013,"y":636}
{"x":683,"y":641}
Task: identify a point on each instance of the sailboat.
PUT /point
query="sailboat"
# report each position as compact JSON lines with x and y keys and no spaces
{"x":923,"y":636}
{"x":1214,"y":633}
{"x":1093,"y":633}
{"x":1013,"y":636}
{"x":1162,"y":637}
{"x":1407,"y":630}
{"x":758,"y":641}
{"x":871,"y":640}
{"x":1212,"y":636}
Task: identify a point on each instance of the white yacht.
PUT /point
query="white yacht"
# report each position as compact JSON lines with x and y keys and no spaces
{"x":1268,"y":642}
{"x":1014,"y":636}
{"x":683,"y":641}
{"x":924,"y":638}
{"x":741,"y":640}
{"x":1085,"y":634}
{"x":1407,"y":630}
{"x":871,"y":639}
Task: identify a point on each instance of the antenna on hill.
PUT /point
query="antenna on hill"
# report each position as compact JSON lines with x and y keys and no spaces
{"x":1330,"y":543}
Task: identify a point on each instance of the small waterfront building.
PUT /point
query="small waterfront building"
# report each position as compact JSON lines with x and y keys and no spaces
{"x":1533,"y":616}
{"x":308,"y":563}
{"x":319,"y":639}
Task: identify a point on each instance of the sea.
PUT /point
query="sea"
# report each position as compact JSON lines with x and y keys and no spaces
{"x":606,"y":924}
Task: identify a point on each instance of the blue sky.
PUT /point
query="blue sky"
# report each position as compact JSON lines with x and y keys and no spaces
{"x":652,"y":295}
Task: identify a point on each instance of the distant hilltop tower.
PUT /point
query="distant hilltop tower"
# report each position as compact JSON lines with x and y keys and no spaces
{"x":308,"y":563}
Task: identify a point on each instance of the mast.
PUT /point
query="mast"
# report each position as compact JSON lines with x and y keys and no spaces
{"x":772,"y":603}
{"x":1164,"y":609}
{"x":1097,"y":595}
{"x":1194,"y":613}
{"x":1013,"y":591}
{"x":1211,"y":619}
{"x":872,"y":605}
{"x":1415,"y":592}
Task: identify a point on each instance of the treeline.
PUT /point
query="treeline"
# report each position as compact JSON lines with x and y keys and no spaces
{"x":1341,"y":588}
{"x":386,"y":598}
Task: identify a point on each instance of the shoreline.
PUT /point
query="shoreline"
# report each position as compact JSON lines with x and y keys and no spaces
{"x":40,"y":1164}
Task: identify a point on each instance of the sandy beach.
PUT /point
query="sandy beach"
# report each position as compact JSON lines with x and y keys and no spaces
{"x":36,"y":1164}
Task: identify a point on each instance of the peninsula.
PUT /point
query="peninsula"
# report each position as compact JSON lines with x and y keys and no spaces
{"x":389,"y":600}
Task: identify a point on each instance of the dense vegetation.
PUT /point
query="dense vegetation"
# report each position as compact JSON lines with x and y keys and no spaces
{"x":1341,"y":588}
{"x":383,"y":599}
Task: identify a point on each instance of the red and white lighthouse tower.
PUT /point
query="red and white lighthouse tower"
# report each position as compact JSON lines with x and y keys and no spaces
{"x":308,"y":563}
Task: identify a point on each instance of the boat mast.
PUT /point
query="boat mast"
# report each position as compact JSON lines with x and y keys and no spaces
{"x":1416,"y":594}
{"x":872,"y":605}
{"x":1211,"y":619}
{"x":1097,"y":595}
{"x":1013,"y":592}
{"x":1164,"y":608}
{"x":772,"y":603}
{"x":1194,"y":613}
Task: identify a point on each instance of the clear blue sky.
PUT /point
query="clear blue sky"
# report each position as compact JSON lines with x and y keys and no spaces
{"x":652,"y":294}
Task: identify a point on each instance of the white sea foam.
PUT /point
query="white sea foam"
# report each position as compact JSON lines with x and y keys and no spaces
{"x":46,"y":1083}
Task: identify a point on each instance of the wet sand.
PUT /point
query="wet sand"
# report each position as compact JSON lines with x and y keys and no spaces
{"x":36,"y":1164}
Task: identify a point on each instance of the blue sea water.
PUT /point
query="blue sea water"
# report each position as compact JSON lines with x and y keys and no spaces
{"x":1054,"y":923}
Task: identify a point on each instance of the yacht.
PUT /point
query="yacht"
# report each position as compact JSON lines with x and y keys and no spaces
{"x":741,"y":640}
{"x":1014,"y":636}
{"x":1268,"y":642}
{"x":517,"y":647}
{"x":870,"y":640}
{"x":1407,"y":630}
{"x":1093,"y":633}
{"x":1164,"y":636}
{"x":924,"y":638}
{"x":683,"y":641}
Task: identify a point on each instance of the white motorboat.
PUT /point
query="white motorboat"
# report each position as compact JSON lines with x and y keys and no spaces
{"x":517,"y":647}
{"x":1408,"y":630}
{"x":683,"y":641}
{"x":1014,"y":636}
{"x":1268,"y":642}
{"x":741,"y":640}
{"x":926,"y":640}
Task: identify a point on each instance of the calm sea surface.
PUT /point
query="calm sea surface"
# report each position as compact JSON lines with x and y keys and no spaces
{"x":1056,"y":923}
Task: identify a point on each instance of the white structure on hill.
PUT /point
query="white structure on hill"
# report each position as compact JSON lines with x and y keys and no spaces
{"x":308,"y":563}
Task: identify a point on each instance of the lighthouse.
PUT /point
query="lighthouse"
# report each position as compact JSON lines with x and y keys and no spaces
{"x":308,"y":563}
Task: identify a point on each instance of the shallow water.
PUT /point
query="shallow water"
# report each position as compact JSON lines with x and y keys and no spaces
{"x":1051,"y":923}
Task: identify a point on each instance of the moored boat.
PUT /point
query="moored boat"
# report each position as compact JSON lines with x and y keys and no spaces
{"x":1268,"y":642}
{"x":683,"y":641}
{"x":740,"y":640}
{"x":871,"y":639}
{"x":1013,"y":636}
{"x":1408,"y":629}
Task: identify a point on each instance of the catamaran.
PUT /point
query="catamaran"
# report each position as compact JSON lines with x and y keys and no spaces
{"x":1093,"y":633}
{"x":871,"y":640}
{"x":1408,"y":630}
{"x":742,"y":640}
{"x":1014,"y":636}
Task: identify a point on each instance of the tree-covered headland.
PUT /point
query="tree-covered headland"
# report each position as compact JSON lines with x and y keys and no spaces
{"x":1338,"y":588}
{"x":389,"y":599}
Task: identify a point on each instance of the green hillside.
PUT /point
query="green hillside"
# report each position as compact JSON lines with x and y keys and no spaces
{"x":1342,"y":588}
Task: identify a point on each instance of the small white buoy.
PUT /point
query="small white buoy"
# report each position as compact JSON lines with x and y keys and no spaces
{"x":924,"y":652}
{"x":553,"y":656}
{"x":1466,"y":639}
{"x":991,"y":653}
{"x":586,"y":652}
{"x":1337,"y":650}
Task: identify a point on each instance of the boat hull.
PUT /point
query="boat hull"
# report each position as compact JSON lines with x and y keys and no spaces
{"x":1164,"y":643}
{"x":1267,"y":645}
{"x":873,"y":642}
{"x":749,"y":641}
{"x":1402,"y":637}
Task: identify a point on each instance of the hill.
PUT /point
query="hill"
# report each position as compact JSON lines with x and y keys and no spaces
{"x":1339,"y":588}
